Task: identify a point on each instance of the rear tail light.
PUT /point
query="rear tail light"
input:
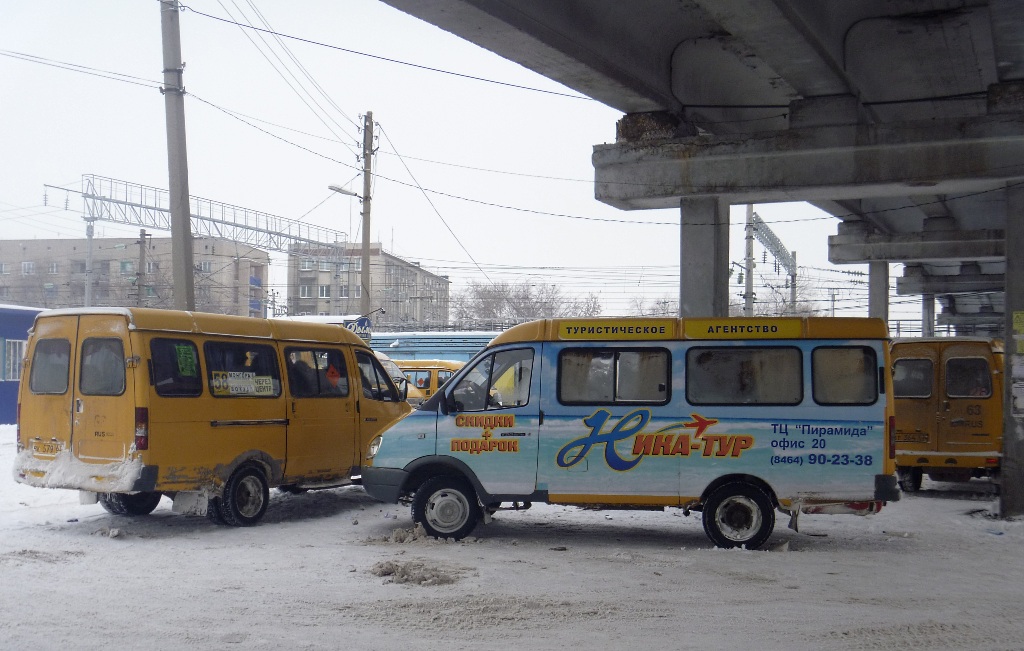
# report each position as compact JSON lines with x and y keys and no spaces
{"x":141,"y":428}
{"x":892,"y":437}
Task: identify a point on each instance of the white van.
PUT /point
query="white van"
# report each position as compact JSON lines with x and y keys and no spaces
{"x":732,"y":417}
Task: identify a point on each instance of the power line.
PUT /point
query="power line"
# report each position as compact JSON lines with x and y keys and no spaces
{"x":387,"y":59}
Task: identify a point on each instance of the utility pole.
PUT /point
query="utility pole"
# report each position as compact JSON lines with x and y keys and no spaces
{"x":748,"y":287}
{"x":182,"y":260}
{"x":88,"y":261}
{"x":367,"y":169}
{"x":141,"y":271}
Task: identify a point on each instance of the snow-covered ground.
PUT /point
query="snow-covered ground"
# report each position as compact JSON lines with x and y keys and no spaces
{"x":336,"y":570}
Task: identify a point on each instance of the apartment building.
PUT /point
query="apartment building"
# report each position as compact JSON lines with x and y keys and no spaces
{"x":327,"y":281}
{"x":230,"y":277}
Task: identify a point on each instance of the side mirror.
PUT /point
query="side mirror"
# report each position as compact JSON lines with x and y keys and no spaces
{"x":403,"y":389}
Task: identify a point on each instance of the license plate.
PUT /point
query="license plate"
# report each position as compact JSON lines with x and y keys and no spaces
{"x":912,"y":437}
{"x":50,"y":449}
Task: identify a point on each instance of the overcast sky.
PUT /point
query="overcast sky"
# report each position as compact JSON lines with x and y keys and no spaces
{"x":506,"y":171}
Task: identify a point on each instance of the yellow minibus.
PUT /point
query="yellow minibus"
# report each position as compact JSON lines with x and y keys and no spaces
{"x":130,"y":404}
{"x":949,"y":408}
{"x":428,"y":375}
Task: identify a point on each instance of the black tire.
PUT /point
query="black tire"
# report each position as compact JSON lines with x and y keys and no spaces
{"x":446,"y":507}
{"x":909,"y":478}
{"x":213,"y":511}
{"x":129,"y":503}
{"x":245,"y":499}
{"x":739,"y":515}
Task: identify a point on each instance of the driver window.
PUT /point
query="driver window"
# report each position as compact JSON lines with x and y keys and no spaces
{"x":498,"y":381}
{"x":375,"y":381}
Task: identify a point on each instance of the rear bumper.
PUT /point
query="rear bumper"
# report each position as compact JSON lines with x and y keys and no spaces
{"x":384,"y":484}
{"x":886,"y":488}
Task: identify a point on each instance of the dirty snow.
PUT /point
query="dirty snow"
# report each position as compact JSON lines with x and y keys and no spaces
{"x":334,"y":569}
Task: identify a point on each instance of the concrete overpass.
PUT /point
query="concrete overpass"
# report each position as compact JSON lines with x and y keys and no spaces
{"x":903,"y":118}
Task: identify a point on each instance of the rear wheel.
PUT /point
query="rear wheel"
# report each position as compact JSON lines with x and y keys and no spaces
{"x":446,"y":507}
{"x":129,"y":503}
{"x":246,"y":495}
{"x":909,"y":478}
{"x":739,"y":515}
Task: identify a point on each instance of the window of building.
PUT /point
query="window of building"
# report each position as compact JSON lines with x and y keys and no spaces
{"x":325,"y":265}
{"x":325,"y":291}
{"x":305,"y":291}
{"x":343,"y":291}
{"x":5,"y":292}
{"x":14,"y":357}
{"x":206,"y":266}
{"x":152,"y":267}
{"x":5,"y":268}
{"x":306,"y":264}
{"x":610,"y":375}
{"x":127,"y":267}
{"x":744,"y":375}
{"x":359,"y":291}
{"x":28,"y":268}
{"x":52,"y":268}
{"x":242,"y":370}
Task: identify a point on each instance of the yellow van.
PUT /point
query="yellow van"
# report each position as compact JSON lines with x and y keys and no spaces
{"x":128,"y":405}
{"x":413,"y":395}
{"x":949,"y":408}
{"x":428,"y":375}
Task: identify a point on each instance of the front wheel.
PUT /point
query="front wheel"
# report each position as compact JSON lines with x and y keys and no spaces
{"x":739,"y":515}
{"x":129,"y":503}
{"x":246,"y":495}
{"x":446,"y":507}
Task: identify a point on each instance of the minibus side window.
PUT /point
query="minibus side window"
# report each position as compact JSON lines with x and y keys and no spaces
{"x":242,"y":370}
{"x":744,"y":375}
{"x":419,"y":379}
{"x":498,"y":381}
{"x":316,"y":373}
{"x":377,"y":384}
{"x":844,"y":375}
{"x":609,"y":376}
{"x":912,"y":378}
{"x":968,"y":377}
{"x":442,"y":377}
{"x":102,"y":367}
{"x":50,"y":366}
{"x":175,"y":364}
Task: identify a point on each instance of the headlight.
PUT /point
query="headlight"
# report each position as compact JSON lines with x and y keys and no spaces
{"x":374,"y":446}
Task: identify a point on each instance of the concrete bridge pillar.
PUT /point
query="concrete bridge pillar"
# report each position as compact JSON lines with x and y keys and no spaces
{"x":704,"y":257}
{"x":878,"y":290}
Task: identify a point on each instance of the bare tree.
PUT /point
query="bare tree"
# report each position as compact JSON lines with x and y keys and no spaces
{"x":518,"y":302}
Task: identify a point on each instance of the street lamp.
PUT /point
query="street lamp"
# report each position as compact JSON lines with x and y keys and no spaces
{"x":365,"y":276}
{"x":341,"y":190}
